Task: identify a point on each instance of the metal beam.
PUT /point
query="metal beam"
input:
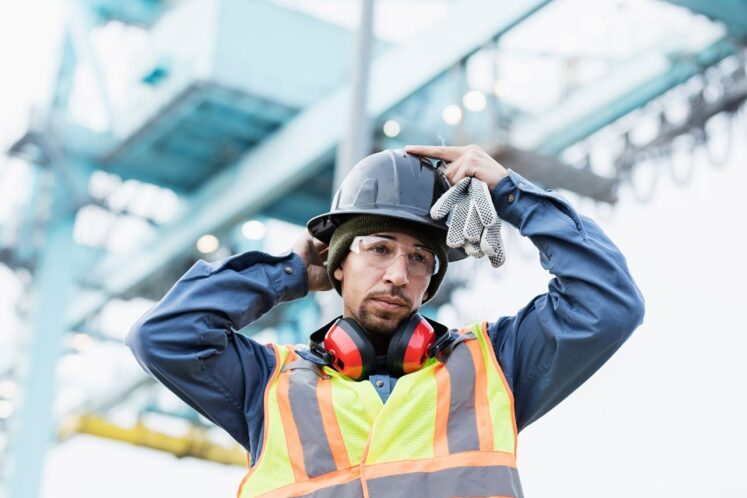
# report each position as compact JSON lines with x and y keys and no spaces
{"x":548,"y":171}
{"x":196,"y":443}
{"x":733,"y":13}
{"x":302,"y":147}
{"x":626,"y":88}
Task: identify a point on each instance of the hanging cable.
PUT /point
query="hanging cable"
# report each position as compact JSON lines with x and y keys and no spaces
{"x":719,"y":161}
{"x":681,"y":172}
{"x":641,"y":195}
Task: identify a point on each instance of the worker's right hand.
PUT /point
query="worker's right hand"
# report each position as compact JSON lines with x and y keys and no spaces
{"x":313,"y":253}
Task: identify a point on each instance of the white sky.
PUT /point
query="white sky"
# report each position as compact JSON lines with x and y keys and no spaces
{"x":663,"y":418}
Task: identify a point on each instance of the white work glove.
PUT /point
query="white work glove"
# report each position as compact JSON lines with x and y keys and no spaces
{"x":474,"y":224}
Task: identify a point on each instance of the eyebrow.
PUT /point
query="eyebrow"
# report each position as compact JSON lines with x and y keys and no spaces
{"x":390,"y":237}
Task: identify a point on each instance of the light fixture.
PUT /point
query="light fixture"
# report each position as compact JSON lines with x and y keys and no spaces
{"x":500,"y":88}
{"x":391,"y":128}
{"x":253,"y":230}
{"x":8,"y":388}
{"x":207,"y":244}
{"x":474,"y":101}
{"x":452,"y":114}
{"x":80,"y":341}
{"x":6,"y":408}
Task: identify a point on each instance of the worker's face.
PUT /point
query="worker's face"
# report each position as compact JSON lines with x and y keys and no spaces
{"x":379,"y":298}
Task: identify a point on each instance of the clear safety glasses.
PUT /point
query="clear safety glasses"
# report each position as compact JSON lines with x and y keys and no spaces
{"x":381,"y":252}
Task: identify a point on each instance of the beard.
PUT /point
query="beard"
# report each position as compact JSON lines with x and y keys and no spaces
{"x":381,"y":322}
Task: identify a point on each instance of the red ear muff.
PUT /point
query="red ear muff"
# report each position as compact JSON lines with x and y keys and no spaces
{"x":352,"y":353}
{"x":408,"y":348}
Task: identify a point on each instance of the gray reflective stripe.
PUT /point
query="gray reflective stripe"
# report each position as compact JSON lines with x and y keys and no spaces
{"x":461,"y":427}
{"x":317,"y":369}
{"x":351,"y":489}
{"x":460,"y":481}
{"x":317,"y":456}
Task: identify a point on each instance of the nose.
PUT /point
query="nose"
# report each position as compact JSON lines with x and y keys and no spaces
{"x":396,"y":272}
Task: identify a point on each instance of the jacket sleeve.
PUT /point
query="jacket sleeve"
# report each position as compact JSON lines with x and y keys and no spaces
{"x":188,"y":340}
{"x":556,"y":342}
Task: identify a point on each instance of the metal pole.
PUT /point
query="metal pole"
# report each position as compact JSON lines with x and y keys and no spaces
{"x":357,"y":144}
{"x":33,"y":423}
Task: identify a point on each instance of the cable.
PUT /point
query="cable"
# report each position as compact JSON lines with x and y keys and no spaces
{"x":646,"y":196}
{"x":686,"y":175}
{"x":719,"y":162}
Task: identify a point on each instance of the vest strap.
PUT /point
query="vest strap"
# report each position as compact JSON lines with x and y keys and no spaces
{"x":446,"y":351}
{"x":306,"y":365}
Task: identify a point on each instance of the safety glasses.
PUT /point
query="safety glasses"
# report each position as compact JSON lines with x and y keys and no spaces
{"x":380,"y":252}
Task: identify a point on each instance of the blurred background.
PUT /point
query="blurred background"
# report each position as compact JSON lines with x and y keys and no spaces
{"x":138,"y":136}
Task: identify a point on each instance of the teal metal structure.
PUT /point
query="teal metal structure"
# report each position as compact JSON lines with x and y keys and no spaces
{"x":242,"y":121}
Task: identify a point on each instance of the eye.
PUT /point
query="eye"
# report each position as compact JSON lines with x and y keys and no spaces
{"x":379,"y":249}
{"x":418,"y":258}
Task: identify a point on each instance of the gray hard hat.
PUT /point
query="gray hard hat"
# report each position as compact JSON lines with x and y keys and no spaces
{"x":389,"y":183}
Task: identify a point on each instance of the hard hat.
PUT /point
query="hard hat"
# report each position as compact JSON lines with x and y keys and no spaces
{"x":389,"y":183}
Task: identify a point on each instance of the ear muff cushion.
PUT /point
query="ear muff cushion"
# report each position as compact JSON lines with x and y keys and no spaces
{"x":408,"y":347}
{"x":354,"y":354}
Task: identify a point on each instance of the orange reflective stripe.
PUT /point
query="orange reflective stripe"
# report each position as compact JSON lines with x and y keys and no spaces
{"x":295,"y":450}
{"x":508,"y":390}
{"x":482,"y":411}
{"x":314,"y":484}
{"x":266,"y":422}
{"x":331,"y":426}
{"x":464,"y":459}
{"x":443,"y":397}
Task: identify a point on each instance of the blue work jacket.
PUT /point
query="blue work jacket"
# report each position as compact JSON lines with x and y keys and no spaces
{"x":188,"y":340}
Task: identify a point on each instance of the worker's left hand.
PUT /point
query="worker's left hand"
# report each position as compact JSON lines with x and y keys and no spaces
{"x":464,"y":161}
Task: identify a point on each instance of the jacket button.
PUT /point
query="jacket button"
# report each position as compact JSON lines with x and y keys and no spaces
{"x":510,"y":198}
{"x":288,"y":270}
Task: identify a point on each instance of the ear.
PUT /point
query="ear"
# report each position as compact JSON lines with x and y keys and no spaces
{"x":338,"y":273}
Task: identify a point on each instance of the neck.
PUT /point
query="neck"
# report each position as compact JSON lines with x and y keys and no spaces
{"x":380,"y":343}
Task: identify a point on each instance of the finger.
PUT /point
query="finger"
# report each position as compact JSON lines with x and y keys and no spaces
{"x":455,"y":235}
{"x":448,"y":200}
{"x":480,"y":195}
{"x":473,"y":250}
{"x":472,"y":227}
{"x":491,"y":243}
{"x":492,"y":240}
{"x":456,"y":171}
{"x":496,"y":261}
{"x":445,"y":152}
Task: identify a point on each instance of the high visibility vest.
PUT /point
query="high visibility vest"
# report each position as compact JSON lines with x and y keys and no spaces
{"x":446,"y":430}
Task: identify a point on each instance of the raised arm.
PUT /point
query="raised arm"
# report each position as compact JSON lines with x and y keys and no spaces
{"x":551,"y":346}
{"x":188,"y":342}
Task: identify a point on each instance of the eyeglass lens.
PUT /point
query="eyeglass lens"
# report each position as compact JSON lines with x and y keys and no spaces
{"x":381,"y":252}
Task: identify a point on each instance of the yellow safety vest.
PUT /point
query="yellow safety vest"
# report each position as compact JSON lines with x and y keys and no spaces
{"x":446,"y":430}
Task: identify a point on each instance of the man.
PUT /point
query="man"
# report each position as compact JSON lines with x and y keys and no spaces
{"x":386,"y":402}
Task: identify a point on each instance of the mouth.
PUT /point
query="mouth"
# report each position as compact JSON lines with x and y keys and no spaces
{"x":389,"y":303}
